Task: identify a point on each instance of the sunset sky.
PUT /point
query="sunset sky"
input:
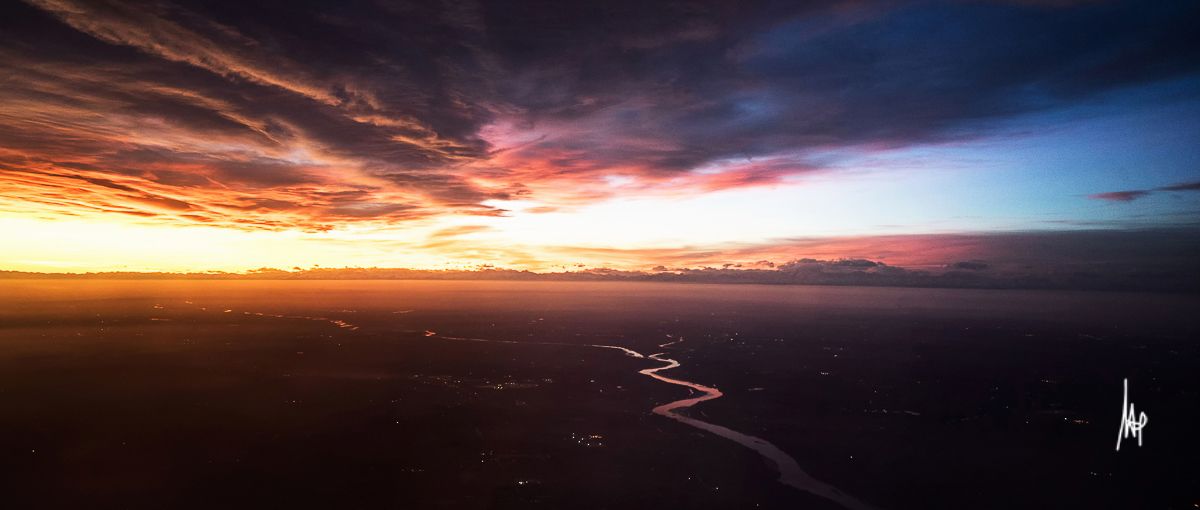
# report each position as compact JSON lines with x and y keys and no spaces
{"x":192,"y":136}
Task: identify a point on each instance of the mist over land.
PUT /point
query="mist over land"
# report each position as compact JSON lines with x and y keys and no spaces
{"x":1139,"y":260}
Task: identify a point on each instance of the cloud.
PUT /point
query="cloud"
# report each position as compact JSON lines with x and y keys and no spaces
{"x":969,"y":265}
{"x":805,"y":82}
{"x":249,"y":115}
{"x":1187,"y":186}
{"x":1120,"y":196}
{"x":1131,"y":195}
{"x":459,"y":231}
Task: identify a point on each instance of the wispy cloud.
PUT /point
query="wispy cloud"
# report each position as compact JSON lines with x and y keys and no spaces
{"x":422,"y":116}
{"x":1131,"y":195}
{"x":1120,"y":196}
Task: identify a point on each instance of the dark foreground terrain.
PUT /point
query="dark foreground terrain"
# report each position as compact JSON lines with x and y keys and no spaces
{"x":361,"y":394}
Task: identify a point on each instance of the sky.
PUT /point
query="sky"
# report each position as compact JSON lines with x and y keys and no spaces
{"x":197,"y":135}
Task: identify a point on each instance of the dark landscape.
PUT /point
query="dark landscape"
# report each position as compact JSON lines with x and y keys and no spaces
{"x":492,"y":394}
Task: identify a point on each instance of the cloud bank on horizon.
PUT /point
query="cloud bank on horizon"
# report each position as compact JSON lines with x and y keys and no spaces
{"x":631,"y":134}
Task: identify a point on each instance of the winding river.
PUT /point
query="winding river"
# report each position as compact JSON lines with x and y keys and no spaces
{"x":790,"y":473}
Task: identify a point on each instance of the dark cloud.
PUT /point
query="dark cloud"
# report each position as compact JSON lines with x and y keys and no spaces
{"x":1187,"y":186}
{"x":440,"y":106}
{"x":444,"y":188}
{"x":811,"y":80}
{"x":969,"y":265}
{"x":104,"y":182}
{"x":1120,"y":196}
{"x":1131,"y":195}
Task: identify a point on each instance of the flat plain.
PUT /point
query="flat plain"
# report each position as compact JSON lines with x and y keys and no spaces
{"x":428,"y":394}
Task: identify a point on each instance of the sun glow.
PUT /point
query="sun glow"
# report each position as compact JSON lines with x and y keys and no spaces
{"x":72,"y":245}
